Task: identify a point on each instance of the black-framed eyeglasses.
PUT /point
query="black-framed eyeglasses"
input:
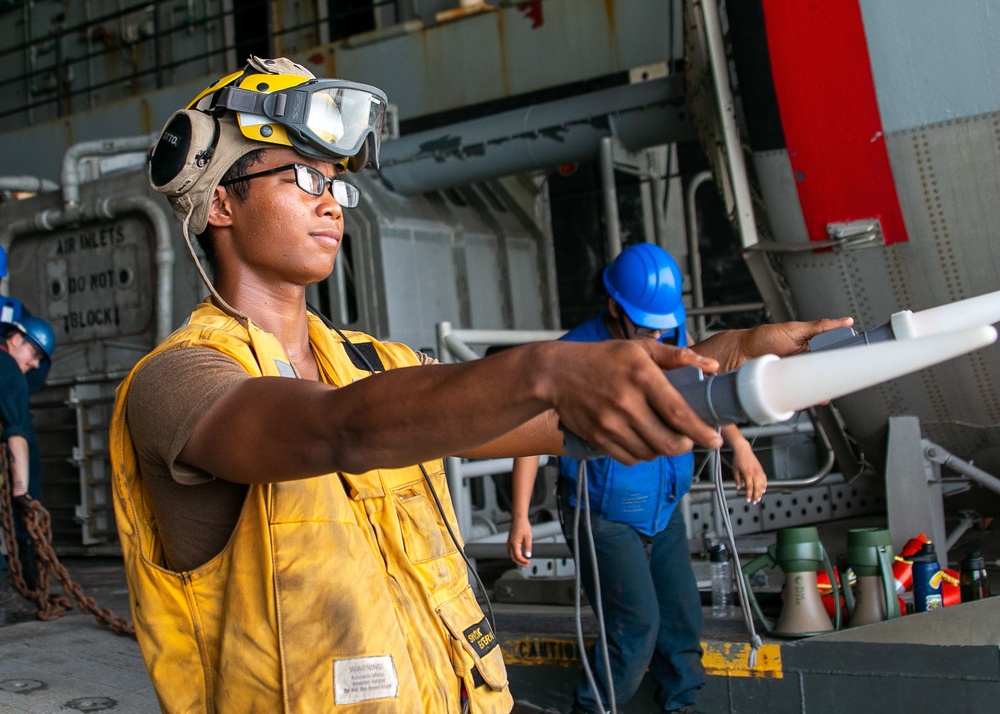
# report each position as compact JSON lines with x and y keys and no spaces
{"x":312,"y":181}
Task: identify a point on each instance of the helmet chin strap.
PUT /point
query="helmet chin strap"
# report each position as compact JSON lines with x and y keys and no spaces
{"x":220,"y":303}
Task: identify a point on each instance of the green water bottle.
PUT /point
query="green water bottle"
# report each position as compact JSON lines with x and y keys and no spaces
{"x":972,"y":580}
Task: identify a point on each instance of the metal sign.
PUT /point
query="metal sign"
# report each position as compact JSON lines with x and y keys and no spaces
{"x":96,"y":281}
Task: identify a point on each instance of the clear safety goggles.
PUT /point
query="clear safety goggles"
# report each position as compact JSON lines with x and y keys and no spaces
{"x":312,"y":182}
{"x":321,"y":118}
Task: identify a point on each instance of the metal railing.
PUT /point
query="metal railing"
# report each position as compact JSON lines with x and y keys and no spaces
{"x":146,"y":46}
{"x":455,"y":345}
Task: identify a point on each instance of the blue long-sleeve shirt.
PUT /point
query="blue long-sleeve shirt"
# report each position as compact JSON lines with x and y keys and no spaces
{"x":15,"y":416}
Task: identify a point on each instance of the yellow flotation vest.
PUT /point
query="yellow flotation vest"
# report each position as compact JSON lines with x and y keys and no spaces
{"x":338,"y":593}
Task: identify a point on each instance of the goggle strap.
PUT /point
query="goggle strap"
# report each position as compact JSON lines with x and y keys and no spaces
{"x":239,"y":100}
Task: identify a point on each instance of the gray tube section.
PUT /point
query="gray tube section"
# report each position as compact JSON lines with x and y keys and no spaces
{"x":609,"y":192}
{"x":940,"y":455}
{"x":27,"y":183}
{"x":788,"y":484}
{"x":694,"y":254}
{"x":537,"y":137}
{"x":74,"y":154}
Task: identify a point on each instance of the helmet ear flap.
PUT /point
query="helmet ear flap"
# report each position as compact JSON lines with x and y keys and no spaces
{"x":183,"y":149}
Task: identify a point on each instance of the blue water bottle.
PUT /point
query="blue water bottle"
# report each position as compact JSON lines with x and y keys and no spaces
{"x":927,"y":577}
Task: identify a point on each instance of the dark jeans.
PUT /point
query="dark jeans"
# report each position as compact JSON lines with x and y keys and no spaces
{"x":652,"y":611}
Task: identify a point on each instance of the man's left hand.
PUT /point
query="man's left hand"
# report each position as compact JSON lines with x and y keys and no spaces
{"x":786,"y":338}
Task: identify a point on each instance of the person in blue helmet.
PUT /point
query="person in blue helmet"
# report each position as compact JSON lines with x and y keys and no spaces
{"x":652,"y":615}
{"x":27,"y":343}
{"x":11,"y":310}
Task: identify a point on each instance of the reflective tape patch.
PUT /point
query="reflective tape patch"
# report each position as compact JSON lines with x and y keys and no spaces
{"x":284,"y":368}
{"x":364,"y":678}
{"x":481,"y":637}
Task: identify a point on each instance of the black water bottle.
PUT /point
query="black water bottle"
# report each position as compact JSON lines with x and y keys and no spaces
{"x":972,"y":580}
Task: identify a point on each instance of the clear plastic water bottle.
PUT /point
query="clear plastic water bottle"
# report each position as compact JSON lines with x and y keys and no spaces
{"x":722,"y":581}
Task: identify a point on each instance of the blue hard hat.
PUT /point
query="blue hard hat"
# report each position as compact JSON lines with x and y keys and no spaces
{"x":3,"y":262}
{"x":646,"y":281}
{"x":38,"y":332}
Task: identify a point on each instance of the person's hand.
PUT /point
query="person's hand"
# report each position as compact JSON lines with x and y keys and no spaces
{"x":614,"y":395}
{"x":786,"y":338}
{"x":748,"y":472}
{"x":519,"y":541}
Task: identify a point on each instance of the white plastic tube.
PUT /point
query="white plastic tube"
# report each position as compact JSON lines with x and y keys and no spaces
{"x":772,"y":389}
{"x":959,"y":315}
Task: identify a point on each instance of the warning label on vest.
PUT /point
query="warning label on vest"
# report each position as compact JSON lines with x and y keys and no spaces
{"x":363,"y":678}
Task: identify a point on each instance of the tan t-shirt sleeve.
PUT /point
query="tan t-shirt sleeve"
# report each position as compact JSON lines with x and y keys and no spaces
{"x":169,"y":396}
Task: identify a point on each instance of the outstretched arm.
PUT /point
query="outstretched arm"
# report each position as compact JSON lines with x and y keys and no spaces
{"x":747,"y":471}
{"x":523,"y":482}
{"x":612,"y":394}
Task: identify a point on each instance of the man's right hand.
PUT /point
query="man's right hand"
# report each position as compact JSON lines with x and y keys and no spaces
{"x":614,"y":395}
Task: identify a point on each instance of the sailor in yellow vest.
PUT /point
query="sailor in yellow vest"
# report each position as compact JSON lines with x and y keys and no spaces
{"x":286,"y":527}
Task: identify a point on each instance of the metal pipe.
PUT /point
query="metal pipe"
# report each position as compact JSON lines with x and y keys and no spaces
{"x":726,"y":309}
{"x":792,"y":483}
{"x":459,"y":349}
{"x":454,"y":344}
{"x":657,"y":187}
{"x":547,"y":541}
{"x":497,"y":551}
{"x":488,"y":467}
{"x":787,"y":428}
{"x":612,"y":227}
{"x":694,"y":255}
{"x":539,"y":136}
{"x":443,"y":329}
{"x":506,"y":337}
{"x":32,"y":184}
{"x":940,"y":455}
{"x":75,"y":153}
{"x":735,"y":162}
{"x":29,"y":62}
{"x":539,"y":531}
